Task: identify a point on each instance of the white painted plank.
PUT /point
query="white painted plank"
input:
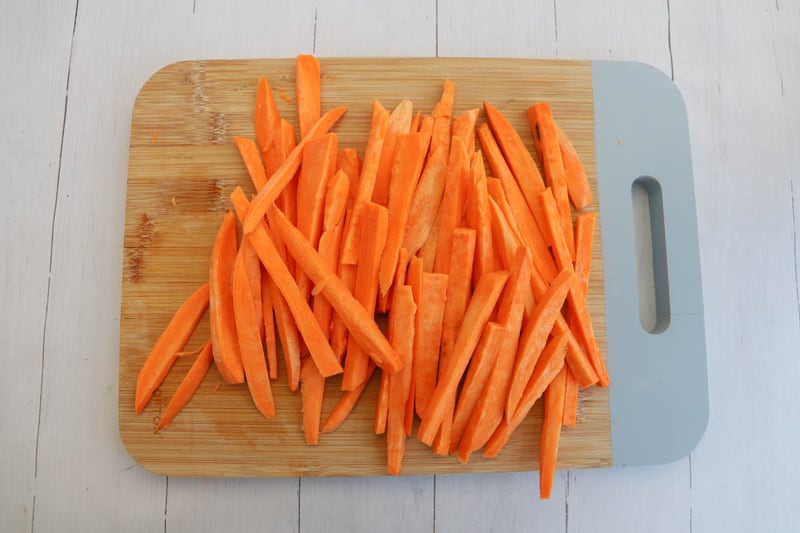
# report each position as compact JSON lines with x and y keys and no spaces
{"x":648,"y":498}
{"x":736,"y":63}
{"x":628,"y":30}
{"x":32,"y":90}
{"x":519,"y":28}
{"x":502,"y":502}
{"x":384,"y":28}
{"x":366,"y":504}
{"x":84,"y":482}
{"x":499,"y":502}
{"x":209,"y":505}
{"x":634,"y":499}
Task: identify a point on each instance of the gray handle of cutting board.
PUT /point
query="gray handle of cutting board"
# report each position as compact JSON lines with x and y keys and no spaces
{"x":659,"y":386}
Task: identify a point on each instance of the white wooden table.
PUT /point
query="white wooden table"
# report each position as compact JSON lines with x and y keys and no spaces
{"x":69,"y":72}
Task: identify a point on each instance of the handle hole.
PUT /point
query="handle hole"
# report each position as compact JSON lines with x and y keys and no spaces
{"x":651,"y":254}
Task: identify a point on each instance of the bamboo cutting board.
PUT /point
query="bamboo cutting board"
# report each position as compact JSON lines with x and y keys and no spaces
{"x":183,"y":165}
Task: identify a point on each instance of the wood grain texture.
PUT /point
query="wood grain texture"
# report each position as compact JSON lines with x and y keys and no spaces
{"x":30,"y":146}
{"x":195,"y":108}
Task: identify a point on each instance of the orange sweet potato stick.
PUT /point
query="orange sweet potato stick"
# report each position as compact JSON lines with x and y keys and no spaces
{"x":506,"y":243}
{"x":318,"y":167}
{"x":496,"y":193}
{"x":535,"y":334}
{"x":426,"y":129}
{"x":478,"y":312}
{"x":319,"y":163}
{"x":545,"y":140}
{"x":350,"y":163}
{"x":329,"y":252}
{"x":359,"y":322}
{"x":270,"y":340}
{"x":577,"y":304}
{"x":551,"y":433}
{"x":518,"y":157}
{"x":399,"y":281}
{"x":307,"y":92}
{"x":223,"y":325}
{"x":252,"y":160}
{"x":584,"y":237}
{"x":172,"y":340}
{"x":366,"y":181}
{"x":478,"y":217}
{"x":288,"y":197}
{"x":330,"y":240}
{"x":408,"y":421}
{"x":286,"y":172}
{"x":464,"y":128}
{"x":312,"y":334}
{"x":458,"y":295}
{"x":577,"y":183}
{"x":288,"y":334}
{"x":480,"y":368}
{"x":347,"y":401}
{"x":347,"y":273}
{"x":247,"y":326}
{"x":399,"y":124}
{"x":504,"y":237}
{"x":312,"y":388}
{"x":415,"y":123}
{"x":268,"y":127}
{"x":373,"y":241}
{"x":428,"y":194}
{"x":428,"y":328}
{"x":253,"y":267}
{"x":529,"y":225}
{"x":189,"y":385}
{"x":451,"y":210}
{"x":402,"y":339}
{"x":570,"y":416}
{"x":286,"y":325}
{"x":547,"y":368}
{"x":382,"y":403}
{"x":462,"y":253}
{"x":577,"y":359}
{"x":409,"y":157}
{"x":488,"y":411}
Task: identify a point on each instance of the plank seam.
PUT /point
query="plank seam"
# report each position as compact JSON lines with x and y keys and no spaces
{"x":669,"y":43}
{"x":794,"y":243}
{"x":434,"y":504}
{"x":437,"y":28}
{"x":555,"y":23}
{"x":314,"y":42}
{"x":166,"y":501}
{"x":52,"y":236}
{"x":566,"y":505}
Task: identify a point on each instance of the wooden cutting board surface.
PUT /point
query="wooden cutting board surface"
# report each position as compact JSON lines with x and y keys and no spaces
{"x":183,"y":165}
